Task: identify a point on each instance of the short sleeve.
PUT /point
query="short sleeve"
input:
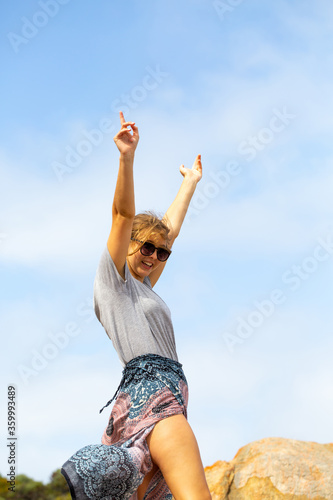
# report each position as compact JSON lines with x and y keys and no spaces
{"x":107,"y":281}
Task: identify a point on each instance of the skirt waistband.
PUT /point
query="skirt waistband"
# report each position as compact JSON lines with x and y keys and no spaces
{"x":152,"y":358}
{"x":152,"y":366}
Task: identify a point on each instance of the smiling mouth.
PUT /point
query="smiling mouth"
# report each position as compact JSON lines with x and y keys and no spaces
{"x":147,"y":264}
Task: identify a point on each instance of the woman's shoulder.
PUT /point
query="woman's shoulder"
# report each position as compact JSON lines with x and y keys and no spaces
{"x":108,"y":275}
{"x":107,"y":272}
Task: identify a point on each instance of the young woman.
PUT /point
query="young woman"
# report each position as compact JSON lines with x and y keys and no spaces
{"x":148,"y":448}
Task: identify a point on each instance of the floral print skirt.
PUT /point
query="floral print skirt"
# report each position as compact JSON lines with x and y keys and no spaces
{"x":152,"y":388}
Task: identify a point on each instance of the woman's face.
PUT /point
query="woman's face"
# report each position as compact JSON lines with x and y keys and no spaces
{"x":141,"y":266}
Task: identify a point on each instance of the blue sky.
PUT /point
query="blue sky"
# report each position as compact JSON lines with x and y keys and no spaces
{"x":249,"y":283}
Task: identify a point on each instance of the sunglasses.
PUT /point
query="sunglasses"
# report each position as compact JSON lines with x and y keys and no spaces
{"x":148,"y":249}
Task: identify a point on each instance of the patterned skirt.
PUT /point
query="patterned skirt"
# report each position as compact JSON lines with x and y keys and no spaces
{"x":152,"y":388}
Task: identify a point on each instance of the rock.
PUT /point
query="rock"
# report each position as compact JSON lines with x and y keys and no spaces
{"x":219,"y":478}
{"x":274,"y":469}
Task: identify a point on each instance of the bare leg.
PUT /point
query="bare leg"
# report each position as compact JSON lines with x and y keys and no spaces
{"x":173,"y":447}
{"x":145,"y":483}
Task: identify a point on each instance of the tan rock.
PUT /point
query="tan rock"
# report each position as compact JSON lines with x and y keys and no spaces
{"x":219,"y":478}
{"x":275,"y":469}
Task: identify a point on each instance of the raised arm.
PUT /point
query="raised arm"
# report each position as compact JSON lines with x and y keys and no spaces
{"x":175,"y":214}
{"x":123,"y":208}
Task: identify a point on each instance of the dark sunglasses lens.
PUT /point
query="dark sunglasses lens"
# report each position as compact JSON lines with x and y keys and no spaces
{"x":147,"y":249}
{"x":162,"y":254}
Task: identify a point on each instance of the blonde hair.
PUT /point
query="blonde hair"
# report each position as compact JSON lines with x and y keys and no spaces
{"x":148,"y":226}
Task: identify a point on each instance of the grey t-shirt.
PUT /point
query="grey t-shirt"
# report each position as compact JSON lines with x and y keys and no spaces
{"x":135,"y":318}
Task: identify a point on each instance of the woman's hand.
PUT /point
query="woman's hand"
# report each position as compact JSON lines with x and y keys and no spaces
{"x":194,"y":173}
{"x":125,"y":141}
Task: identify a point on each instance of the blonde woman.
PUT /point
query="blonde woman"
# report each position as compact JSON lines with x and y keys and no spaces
{"x":148,"y":448}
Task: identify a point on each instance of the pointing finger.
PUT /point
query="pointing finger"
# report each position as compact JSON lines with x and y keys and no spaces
{"x":122,"y":119}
